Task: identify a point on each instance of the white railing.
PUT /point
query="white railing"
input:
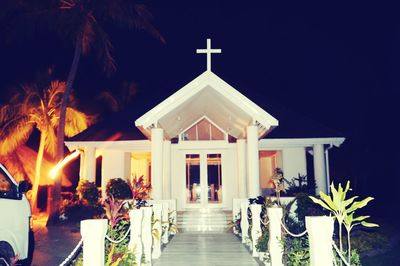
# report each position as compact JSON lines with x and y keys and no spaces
{"x":141,"y":231}
{"x":318,"y":228}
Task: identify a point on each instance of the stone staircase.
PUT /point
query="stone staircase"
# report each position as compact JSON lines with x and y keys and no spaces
{"x":204,"y":220}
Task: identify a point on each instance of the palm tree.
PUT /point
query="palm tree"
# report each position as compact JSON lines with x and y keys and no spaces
{"x":81,"y":21}
{"x":38,"y":108}
{"x":119,"y":99}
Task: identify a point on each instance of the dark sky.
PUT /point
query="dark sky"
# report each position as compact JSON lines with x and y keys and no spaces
{"x":336,"y":62}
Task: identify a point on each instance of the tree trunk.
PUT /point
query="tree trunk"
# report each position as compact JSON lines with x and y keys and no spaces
{"x":36,"y":181}
{"x":54,"y":197}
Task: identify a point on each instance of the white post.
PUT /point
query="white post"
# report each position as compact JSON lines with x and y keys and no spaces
{"x":274,"y":245}
{"x":147,"y":238}
{"x":241,"y":167}
{"x":165,"y":222}
{"x":135,"y":242}
{"x":244,"y":223}
{"x":167,"y":170}
{"x":320,"y":233}
{"x":253,"y":166}
{"x":319,"y":168}
{"x":256,"y":228}
{"x":93,"y":232}
{"x":157,"y":142}
{"x":157,"y":208}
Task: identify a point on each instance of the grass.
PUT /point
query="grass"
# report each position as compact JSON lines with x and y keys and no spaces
{"x":389,"y":258}
{"x":391,"y":253}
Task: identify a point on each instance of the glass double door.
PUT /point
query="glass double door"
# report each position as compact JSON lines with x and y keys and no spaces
{"x":203,"y":173}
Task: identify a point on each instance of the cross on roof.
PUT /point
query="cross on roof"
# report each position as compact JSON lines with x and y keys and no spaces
{"x":208,"y":51}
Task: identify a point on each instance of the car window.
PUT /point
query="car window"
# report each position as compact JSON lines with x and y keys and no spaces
{"x":5,"y":183}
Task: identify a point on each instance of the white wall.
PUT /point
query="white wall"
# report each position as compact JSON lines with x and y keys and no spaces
{"x":294,"y":162}
{"x":115,"y":164}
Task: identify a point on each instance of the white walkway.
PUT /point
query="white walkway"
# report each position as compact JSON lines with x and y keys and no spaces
{"x":205,"y":249}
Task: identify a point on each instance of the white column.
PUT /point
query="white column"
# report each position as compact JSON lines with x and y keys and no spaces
{"x":256,"y":226}
{"x":320,"y":233}
{"x":135,"y":242}
{"x":244,"y":223}
{"x":157,"y":143}
{"x":88,"y":164}
{"x":241,"y":167}
{"x":147,"y":238}
{"x":274,"y":244}
{"x":157,"y":208}
{"x":167,"y":170}
{"x":253,"y":171}
{"x":319,"y":168}
{"x":93,"y":232}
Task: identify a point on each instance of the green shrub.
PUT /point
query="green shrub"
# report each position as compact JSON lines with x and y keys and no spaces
{"x":369,"y":243}
{"x":119,"y":189}
{"x":87,"y":192}
{"x":262,"y":243}
{"x":79,"y":210}
{"x":296,"y":251}
{"x":306,"y":207}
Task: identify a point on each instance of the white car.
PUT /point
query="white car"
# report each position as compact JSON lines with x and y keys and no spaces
{"x":15,"y":214}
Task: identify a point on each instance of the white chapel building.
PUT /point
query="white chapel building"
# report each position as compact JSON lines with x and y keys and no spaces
{"x":205,"y":145}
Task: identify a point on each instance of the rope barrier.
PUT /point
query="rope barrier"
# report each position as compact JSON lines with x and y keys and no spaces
{"x":340,"y":254}
{"x":120,"y":240}
{"x":72,"y":254}
{"x":4,"y":261}
{"x":294,"y":235}
{"x":265,"y":224}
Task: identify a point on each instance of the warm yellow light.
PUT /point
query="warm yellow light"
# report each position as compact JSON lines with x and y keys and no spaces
{"x":54,"y":171}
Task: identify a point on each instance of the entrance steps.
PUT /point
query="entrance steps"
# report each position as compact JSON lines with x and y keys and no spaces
{"x":204,"y":220}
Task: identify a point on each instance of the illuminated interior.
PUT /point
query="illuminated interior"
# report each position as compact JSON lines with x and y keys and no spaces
{"x":269,"y":161}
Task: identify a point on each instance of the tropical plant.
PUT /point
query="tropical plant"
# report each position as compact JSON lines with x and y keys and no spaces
{"x":37,"y":107}
{"x":344,"y":209}
{"x":305,"y":207}
{"x":117,"y":254}
{"x":140,"y":190}
{"x":296,"y":251}
{"x":173,"y":228}
{"x":262,"y":242}
{"x":115,"y":211}
{"x":118,"y":188}
{"x":118,"y":99}
{"x":300,"y":184}
{"x":83,"y":22}
{"x":77,"y":210}
{"x":87,"y":191}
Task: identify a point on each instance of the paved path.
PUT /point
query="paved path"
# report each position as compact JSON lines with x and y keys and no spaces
{"x":205,"y":249}
{"x":53,"y":244}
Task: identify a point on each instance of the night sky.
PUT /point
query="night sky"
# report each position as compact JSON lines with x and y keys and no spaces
{"x":335,"y":62}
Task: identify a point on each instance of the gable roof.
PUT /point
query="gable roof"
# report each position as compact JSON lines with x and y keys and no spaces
{"x":210,"y":96}
{"x":114,"y":127}
{"x":119,"y":126}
